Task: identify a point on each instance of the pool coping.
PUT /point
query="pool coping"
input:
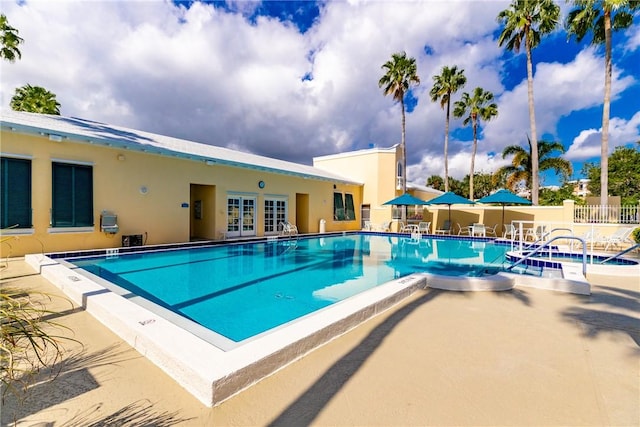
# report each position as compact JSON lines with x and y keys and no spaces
{"x":211,"y":374}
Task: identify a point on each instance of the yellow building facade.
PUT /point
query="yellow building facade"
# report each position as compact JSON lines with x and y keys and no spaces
{"x":70,"y":184}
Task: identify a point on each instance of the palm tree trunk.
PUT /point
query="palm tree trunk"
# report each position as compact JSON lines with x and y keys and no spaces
{"x":604,"y":148}
{"x":404,"y":163}
{"x":473,"y":156}
{"x":446,"y":147}
{"x":535,"y":183}
{"x":404,"y":151}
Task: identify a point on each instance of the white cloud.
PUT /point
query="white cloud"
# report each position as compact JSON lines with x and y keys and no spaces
{"x":209,"y":75}
{"x":588,"y":143}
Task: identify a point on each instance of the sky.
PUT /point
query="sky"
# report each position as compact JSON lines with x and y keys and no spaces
{"x":293,"y":80}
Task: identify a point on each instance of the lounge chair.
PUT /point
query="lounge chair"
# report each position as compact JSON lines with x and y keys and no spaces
{"x":620,"y":236}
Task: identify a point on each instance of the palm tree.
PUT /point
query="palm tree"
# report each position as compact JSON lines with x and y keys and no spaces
{"x":400,"y":74}
{"x":479,"y":107}
{"x":527,"y":21}
{"x":9,"y":40}
{"x":601,"y":17}
{"x":35,"y":99}
{"x":521,"y":168}
{"x":448,"y":82}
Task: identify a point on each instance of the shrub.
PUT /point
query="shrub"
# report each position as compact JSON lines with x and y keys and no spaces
{"x":636,"y":235}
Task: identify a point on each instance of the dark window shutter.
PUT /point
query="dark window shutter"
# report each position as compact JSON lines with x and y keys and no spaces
{"x":15,"y":193}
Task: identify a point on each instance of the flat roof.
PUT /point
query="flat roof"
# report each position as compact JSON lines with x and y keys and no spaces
{"x":73,"y":129}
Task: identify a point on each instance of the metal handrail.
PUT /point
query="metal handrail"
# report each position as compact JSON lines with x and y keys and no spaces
{"x":544,"y":236}
{"x":546,"y":245}
{"x":637,"y":245}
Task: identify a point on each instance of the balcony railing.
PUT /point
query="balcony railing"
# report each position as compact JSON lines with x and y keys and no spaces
{"x":607,"y":214}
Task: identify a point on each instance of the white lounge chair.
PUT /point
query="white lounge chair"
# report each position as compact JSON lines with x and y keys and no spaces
{"x":620,"y":236}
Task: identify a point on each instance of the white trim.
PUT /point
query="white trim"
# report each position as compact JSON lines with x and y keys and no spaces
{"x":17,"y":156}
{"x":55,"y":230}
{"x":17,"y":231}
{"x":72,"y":162}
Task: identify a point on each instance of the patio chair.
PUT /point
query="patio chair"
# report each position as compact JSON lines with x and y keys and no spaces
{"x":385,"y":226}
{"x":478,"y":230}
{"x":620,"y":236}
{"x":536,"y":233}
{"x":491,"y":231}
{"x":462,"y":230}
{"x":288,"y":229}
{"x":424,"y":227}
{"x":511,"y":231}
{"x":446,"y":228}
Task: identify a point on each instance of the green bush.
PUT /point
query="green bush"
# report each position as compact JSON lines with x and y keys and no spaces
{"x":636,"y":235}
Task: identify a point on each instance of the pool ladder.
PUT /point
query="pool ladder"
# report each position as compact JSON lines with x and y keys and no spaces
{"x":547,"y":245}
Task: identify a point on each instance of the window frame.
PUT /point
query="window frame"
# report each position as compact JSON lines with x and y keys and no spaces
{"x":79,"y":214}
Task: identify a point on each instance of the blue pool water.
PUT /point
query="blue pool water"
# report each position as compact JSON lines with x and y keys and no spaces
{"x":242,"y":290}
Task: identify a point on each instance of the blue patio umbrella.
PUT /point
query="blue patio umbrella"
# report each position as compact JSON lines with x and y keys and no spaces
{"x":504,"y":197}
{"x":405,"y":200}
{"x":449,"y":199}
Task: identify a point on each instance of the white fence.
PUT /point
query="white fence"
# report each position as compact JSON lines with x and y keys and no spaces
{"x":607,"y":214}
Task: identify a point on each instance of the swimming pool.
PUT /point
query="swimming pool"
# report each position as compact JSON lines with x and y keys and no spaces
{"x":240,"y":291}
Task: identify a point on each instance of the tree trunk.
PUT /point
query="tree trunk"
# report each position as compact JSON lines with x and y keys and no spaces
{"x":604,"y":147}
{"x":446,"y":147}
{"x":474,"y":125}
{"x":404,"y":151}
{"x":404,"y":163}
{"x":535,"y":183}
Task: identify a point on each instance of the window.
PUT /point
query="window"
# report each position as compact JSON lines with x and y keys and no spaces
{"x":72,"y":195}
{"x":343,"y":208}
{"x":338,"y":207}
{"x":350,"y":211}
{"x":15,"y":192}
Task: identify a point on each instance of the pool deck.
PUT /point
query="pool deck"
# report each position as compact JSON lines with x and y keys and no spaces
{"x":521,"y":357}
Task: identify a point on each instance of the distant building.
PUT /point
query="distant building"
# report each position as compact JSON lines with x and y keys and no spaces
{"x":580,"y":187}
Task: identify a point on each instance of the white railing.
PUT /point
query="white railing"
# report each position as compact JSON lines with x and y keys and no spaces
{"x":607,"y":214}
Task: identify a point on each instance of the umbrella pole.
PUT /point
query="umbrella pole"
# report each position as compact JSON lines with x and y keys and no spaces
{"x":502,"y":228}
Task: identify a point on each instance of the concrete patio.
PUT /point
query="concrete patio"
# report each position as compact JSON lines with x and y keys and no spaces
{"x":521,"y":357}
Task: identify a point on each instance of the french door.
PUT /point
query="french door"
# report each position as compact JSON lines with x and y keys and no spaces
{"x":241,"y":216}
{"x":275,"y":212}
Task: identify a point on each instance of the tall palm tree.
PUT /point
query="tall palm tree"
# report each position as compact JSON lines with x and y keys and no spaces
{"x":527,"y":21}
{"x":9,"y":40}
{"x":478,"y":106}
{"x":601,"y":17}
{"x":521,"y":167}
{"x":449,"y":81}
{"x":35,"y":99}
{"x":400,"y":74}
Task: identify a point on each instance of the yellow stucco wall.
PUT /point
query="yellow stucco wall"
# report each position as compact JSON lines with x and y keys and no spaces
{"x":119,"y":175}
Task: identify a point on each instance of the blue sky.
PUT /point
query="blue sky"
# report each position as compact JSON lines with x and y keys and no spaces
{"x":294,"y":80}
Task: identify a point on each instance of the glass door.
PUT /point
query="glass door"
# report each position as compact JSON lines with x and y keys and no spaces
{"x":241,"y":216}
{"x":275,"y":212}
